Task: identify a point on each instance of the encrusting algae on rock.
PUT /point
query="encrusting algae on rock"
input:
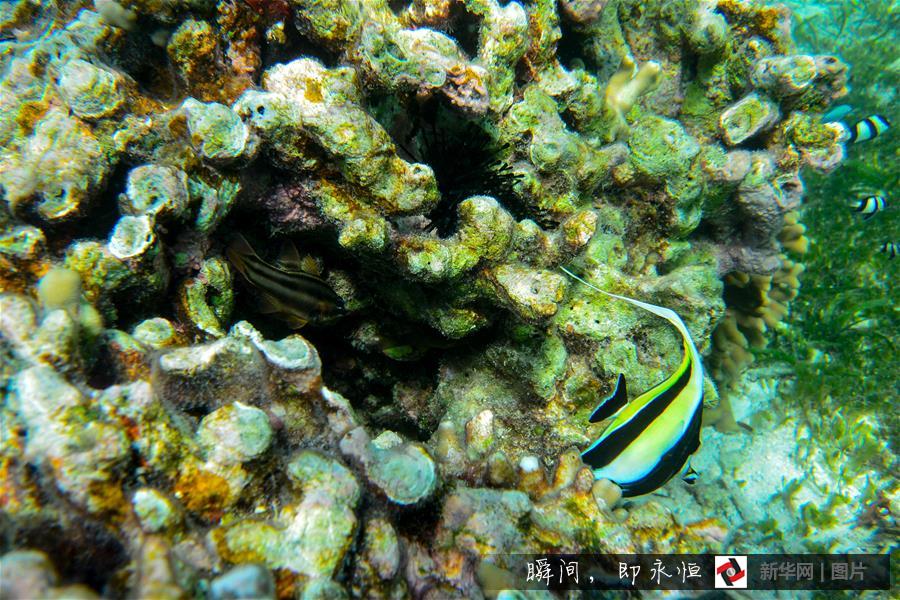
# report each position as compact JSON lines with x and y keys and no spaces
{"x":166,"y":416}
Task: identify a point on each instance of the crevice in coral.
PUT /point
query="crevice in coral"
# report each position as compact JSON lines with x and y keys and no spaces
{"x":399,"y":6}
{"x":99,"y":221}
{"x":465,"y":157}
{"x":84,"y":550}
{"x":147,"y":63}
{"x":296,"y":45}
{"x":465,"y":29}
{"x":570,"y":48}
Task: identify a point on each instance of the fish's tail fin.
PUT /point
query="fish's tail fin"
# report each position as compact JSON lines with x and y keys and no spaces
{"x":669,"y":315}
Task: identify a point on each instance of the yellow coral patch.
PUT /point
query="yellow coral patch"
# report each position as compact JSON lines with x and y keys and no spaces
{"x":107,"y":498}
{"x":29,"y":114}
{"x":202,"y":492}
{"x":314,"y":91}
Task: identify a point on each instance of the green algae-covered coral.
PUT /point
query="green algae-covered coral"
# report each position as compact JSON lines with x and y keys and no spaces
{"x":435,"y":164}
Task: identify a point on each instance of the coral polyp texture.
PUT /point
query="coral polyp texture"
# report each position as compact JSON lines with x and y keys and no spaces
{"x":434,"y":163}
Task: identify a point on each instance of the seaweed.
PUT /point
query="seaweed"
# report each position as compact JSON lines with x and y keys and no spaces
{"x":842,"y":344}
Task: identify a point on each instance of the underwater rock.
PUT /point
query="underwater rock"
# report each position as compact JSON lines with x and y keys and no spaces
{"x":661,"y":148}
{"x":157,"y":191}
{"x":210,"y":375}
{"x":21,"y":251}
{"x":807,"y":80}
{"x":104,"y":277}
{"x":421,"y":60}
{"x":215,"y":202}
{"x":747,"y":117}
{"x":206,"y":301}
{"x":483,"y":521}
{"x":310,"y":537}
{"x":319,"y":99}
{"x":324,"y":589}
{"x":17,"y":323}
{"x":234,"y":433}
{"x":156,"y":333}
{"x":84,"y":454}
{"x":35,"y":574}
{"x":243,"y":582}
{"x":198,"y":55}
{"x":90,"y":91}
{"x":606,"y":493}
{"x":292,"y":361}
{"x":376,"y":573}
{"x":583,"y":11}
{"x":532,"y":295}
{"x":45,"y":172}
{"x":156,"y":574}
{"x":403,"y":471}
{"x":154,"y":510}
{"x":133,"y":238}
{"x":313,"y":471}
{"x":785,"y":75}
{"x":382,"y":548}
{"x":216,"y":132}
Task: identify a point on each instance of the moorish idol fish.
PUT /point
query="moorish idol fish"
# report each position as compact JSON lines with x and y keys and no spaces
{"x":866,"y":129}
{"x":288,"y":289}
{"x":891,"y":249}
{"x":650,"y":439}
{"x":868,"y":206}
{"x":837,"y":113}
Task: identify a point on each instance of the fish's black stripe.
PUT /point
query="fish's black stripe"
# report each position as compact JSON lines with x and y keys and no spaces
{"x":287,"y":279}
{"x":293,"y":282}
{"x":879,"y":123}
{"x":609,"y":448}
{"x":283,"y":296}
{"x":293,"y":298}
{"x":670,"y":463}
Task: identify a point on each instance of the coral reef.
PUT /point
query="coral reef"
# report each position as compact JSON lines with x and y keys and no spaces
{"x":180,"y":440}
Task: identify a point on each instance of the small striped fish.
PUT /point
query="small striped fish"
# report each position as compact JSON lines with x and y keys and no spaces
{"x":286,"y":289}
{"x":891,"y":249}
{"x":652,"y":438}
{"x":869,"y":205}
{"x":867,"y":129}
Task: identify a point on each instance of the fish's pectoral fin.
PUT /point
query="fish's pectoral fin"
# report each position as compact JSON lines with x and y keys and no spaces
{"x":241,"y":246}
{"x":288,"y":257}
{"x":267,"y":305}
{"x":309,"y":265}
{"x":295,"y":322}
{"x":612,"y":404}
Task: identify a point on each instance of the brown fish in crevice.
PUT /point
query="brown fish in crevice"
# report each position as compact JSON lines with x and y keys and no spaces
{"x":290,"y":289}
